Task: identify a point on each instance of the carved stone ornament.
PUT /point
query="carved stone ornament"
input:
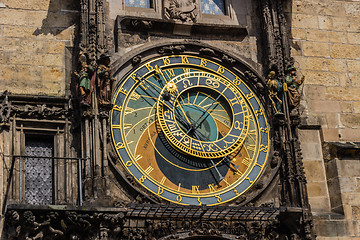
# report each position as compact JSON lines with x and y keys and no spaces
{"x":39,"y":111}
{"x":173,"y":49}
{"x":44,"y":224}
{"x":181,"y":10}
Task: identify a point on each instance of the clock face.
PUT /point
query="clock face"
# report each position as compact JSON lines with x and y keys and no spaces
{"x":189,"y":130}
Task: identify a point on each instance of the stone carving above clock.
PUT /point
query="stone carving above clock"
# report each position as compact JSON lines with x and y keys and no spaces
{"x":181,"y":10}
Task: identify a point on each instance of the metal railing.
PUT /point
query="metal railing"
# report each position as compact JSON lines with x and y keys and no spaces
{"x":66,"y":176}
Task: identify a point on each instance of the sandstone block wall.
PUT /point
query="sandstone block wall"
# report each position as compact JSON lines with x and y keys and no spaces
{"x":326,"y":48}
{"x":34,"y":35}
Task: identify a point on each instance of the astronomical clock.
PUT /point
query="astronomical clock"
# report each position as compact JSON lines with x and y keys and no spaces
{"x":189,"y":129}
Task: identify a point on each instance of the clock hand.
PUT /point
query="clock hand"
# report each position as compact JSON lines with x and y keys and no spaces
{"x":226,"y":158}
{"x":217,"y":170}
{"x":206,"y":111}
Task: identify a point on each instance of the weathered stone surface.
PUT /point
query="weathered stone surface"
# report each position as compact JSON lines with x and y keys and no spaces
{"x":321,"y":78}
{"x":330,"y":134}
{"x":350,"y":120}
{"x":298,"y":33}
{"x":346,"y":107}
{"x":314,"y":170}
{"x":304,"y":21}
{"x":318,"y":189}
{"x":315,"y":49}
{"x":337,"y":37}
{"x":313,"y":63}
{"x":344,"y":51}
{"x":13,"y":17}
{"x":31,"y":59}
{"x":19,"y":31}
{"x":332,"y":120}
{"x":356,"y":212}
{"x":352,"y":9}
{"x":337,"y":65}
{"x":317,"y":35}
{"x":353,"y":38}
{"x":356,"y":106}
{"x":311,"y":151}
{"x":349,"y":134}
{"x":353,"y":65}
{"x":325,"y":106}
{"x":341,"y":93}
{"x":319,"y":204}
{"x":314,"y":92}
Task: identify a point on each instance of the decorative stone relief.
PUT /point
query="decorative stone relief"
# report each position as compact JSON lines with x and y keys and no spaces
{"x":181,"y":10}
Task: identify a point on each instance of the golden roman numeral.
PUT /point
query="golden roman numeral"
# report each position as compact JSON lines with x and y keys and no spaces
{"x":138,"y":157}
{"x":134,"y":96}
{"x":128,"y":110}
{"x":173,"y":127}
{"x":179,"y":186}
{"x":249,"y":180}
{"x":169,"y":73}
{"x":227,"y":183}
{"x":246,"y":161}
{"x":186,"y":70}
{"x":252,"y":132}
{"x":127,"y":125}
{"x":251,"y":148}
{"x":163,"y":180}
{"x":195,"y":189}
{"x":148,"y":170}
{"x":233,"y":101}
{"x":238,"y":172}
{"x":211,"y":187}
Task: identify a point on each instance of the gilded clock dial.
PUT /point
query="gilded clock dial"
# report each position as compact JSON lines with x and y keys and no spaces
{"x":184,"y":120}
{"x":189,"y":130}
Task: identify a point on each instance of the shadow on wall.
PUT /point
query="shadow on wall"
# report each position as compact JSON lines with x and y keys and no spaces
{"x":61,"y":15}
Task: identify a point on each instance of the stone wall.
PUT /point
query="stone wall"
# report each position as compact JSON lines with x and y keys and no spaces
{"x":35,"y":36}
{"x":326,"y":48}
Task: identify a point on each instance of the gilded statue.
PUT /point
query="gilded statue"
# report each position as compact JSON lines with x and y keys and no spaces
{"x":104,"y":80}
{"x":292,"y":87}
{"x":84,"y":80}
{"x":275,"y":92}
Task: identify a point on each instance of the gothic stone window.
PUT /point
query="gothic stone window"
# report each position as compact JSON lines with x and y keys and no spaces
{"x":139,"y":3}
{"x":216,"y":7}
{"x":39,"y":170}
